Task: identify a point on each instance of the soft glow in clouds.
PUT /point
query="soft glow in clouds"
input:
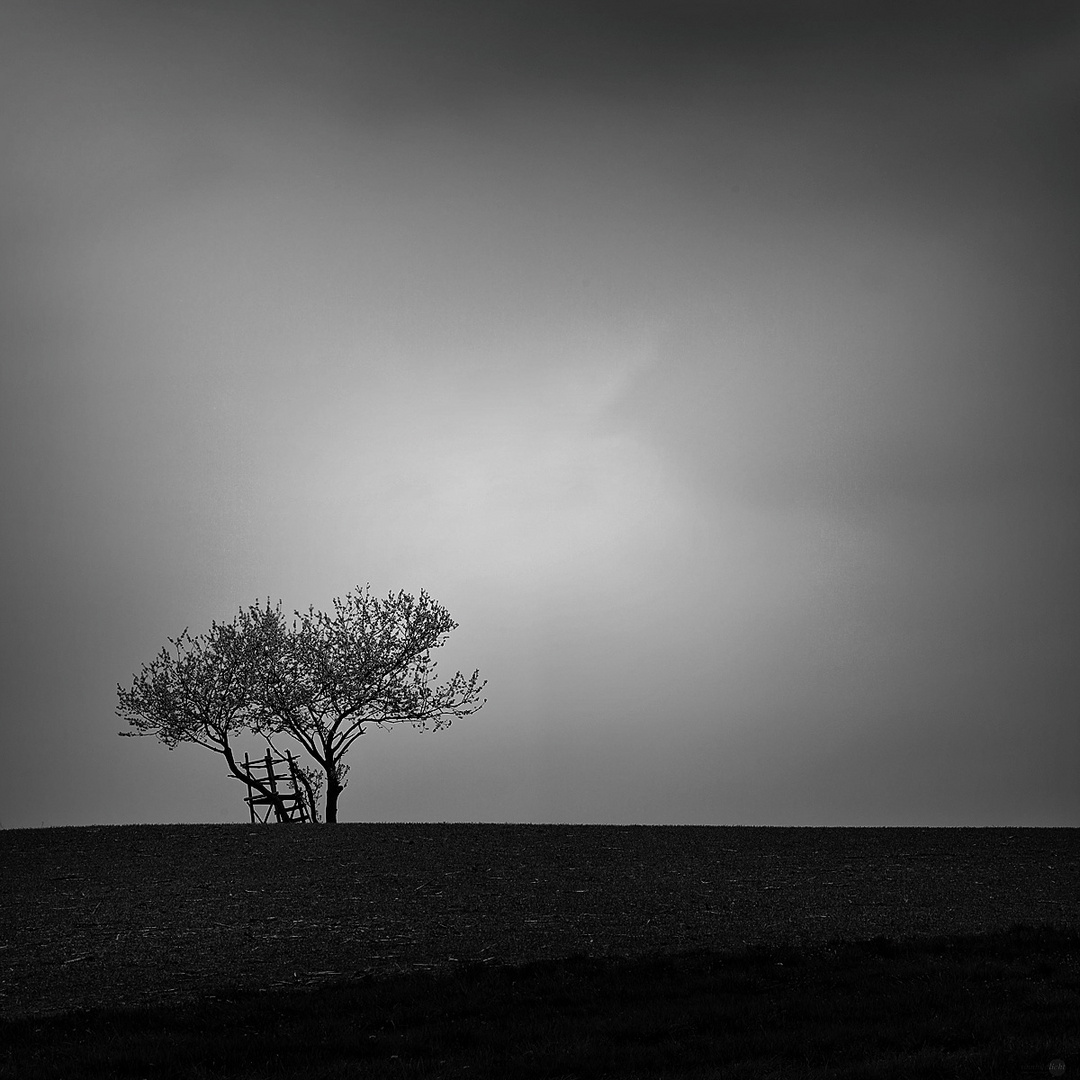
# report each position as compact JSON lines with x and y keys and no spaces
{"x":715,"y":365}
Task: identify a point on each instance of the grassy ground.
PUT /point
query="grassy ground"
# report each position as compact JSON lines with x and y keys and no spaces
{"x":1003,"y":1005}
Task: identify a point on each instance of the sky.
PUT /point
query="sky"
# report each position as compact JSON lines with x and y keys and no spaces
{"x":715,"y":364}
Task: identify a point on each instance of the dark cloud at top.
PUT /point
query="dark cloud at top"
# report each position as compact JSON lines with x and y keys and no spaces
{"x":923,"y":96}
{"x":391,"y":58}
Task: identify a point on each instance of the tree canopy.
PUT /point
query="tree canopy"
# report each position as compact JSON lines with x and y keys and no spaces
{"x":318,"y":682}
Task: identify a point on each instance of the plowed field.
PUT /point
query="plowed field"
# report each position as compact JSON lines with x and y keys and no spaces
{"x":137,"y":915}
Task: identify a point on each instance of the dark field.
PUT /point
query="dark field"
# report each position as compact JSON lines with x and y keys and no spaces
{"x":138,"y":916}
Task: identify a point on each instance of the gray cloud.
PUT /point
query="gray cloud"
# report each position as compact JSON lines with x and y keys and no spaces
{"x":713,"y":362}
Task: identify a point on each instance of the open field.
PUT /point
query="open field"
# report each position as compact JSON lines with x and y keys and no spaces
{"x":237,"y":917}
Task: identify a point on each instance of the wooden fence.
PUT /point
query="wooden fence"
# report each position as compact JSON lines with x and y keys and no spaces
{"x":263,"y":791}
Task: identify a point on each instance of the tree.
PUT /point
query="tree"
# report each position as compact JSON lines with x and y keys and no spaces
{"x":202,"y":690}
{"x":319,"y":683}
{"x":367,"y":663}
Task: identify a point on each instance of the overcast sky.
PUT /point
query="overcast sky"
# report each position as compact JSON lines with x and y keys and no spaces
{"x":715,"y":364}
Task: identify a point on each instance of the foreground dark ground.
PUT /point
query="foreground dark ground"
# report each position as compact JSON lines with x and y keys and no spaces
{"x":749,"y":950}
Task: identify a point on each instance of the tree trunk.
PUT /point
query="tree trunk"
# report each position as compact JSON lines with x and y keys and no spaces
{"x":333,"y":790}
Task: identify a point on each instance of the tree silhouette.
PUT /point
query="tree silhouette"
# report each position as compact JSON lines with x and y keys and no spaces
{"x":318,"y":682}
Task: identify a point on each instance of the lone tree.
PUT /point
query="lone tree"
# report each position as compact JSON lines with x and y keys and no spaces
{"x":318,"y":683}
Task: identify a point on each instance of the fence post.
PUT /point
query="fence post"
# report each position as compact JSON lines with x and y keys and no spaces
{"x":298,"y":802}
{"x":279,"y":809}
{"x":247,"y":780}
